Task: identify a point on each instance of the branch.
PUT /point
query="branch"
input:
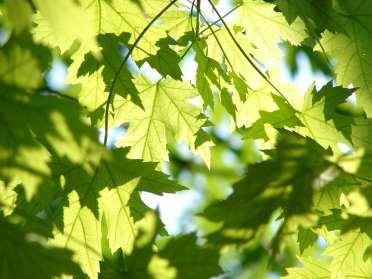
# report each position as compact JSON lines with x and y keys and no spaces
{"x":218,"y":20}
{"x":217,"y":40}
{"x":246,"y":56}
{"x":197,"y":18}
{"x":111,"y":91}
{"x":32,"y":5}
{"x":207,"y":28}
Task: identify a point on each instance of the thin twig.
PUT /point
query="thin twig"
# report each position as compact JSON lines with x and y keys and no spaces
{"x":218,"y":42}
{"x":197,"y":18}
{"x":246,"y":56}
{"x":32,"y":5}
{"x":111,"y":91}
{"x":218,"y":20}
{"x":207,"y":28}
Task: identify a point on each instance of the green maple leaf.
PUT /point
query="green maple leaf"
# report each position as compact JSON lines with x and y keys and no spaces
{"x":52,"y":26}
{"x":122,"y":205}
{"x":261,"y":99}
{"x":113,"y":72}
{"x":141,"y":262}
{"x":59,"y":131}
{"x":91,"y":19}
{"x":351,"y":48}
{"x":107,"y":190}
{"x":167,"y":111}
{"x":284,"y":117}
{"x":312,"y":269}
{"x":240,"y":86}
{"x":348,"y":43}
{"x":36,"y":124}
{"x":321,"y":118}
{"x":207,"y":73}
{"x":19,"y":13}
{"x":166,"y":60}
{"x":205,"y":69}
{"x":286,"y":181}
{"x":306,"y":238}
{"x":25,"y":255}
{"x":315,"y":14}
{"x":227,"y":102}
{"x":222,"y":49}
{"x":188,"y":258}
{"x":328,"y":198}
{"x":15,"y":160}
{"x":176,"y":257}
{"x":92,"y":87}
{"x":80,"y":234}
{"x":347,"y":256}
{"x":350,"y":250}
{"x":256,"y":16}
{"x":23,"y":62}
{"x":57,"y":180}
{"x":325,"y":122}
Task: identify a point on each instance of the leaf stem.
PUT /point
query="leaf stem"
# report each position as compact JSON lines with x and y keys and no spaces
{"x":32,"y":5}
{"x":197,"y":18}
{"x":111,"y":90}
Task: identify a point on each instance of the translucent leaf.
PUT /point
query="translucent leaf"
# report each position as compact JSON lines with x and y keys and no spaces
{"x":312,"y":269}
{"x":25,"y":255}
{"x":167,"y":110}
{"x":175,"y":257}
{"x":91,"y":198}
{"x":19,"y":14}
{"x":57,"y":31}
{"x":352,"y":48}
{"x":265,"y":28}
{"x":284,"y":181}
{"x":347,"y":256}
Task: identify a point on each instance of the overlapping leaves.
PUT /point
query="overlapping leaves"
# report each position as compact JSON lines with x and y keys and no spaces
{"x":60,"y":187}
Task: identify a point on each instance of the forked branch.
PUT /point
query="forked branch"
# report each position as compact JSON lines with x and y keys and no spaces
{"x":246,"y":56}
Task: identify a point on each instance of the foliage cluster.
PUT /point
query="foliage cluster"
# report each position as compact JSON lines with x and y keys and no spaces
{"x":298,"y":204}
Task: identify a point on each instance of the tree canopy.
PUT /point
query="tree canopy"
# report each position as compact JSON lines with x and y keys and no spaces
{"x":285,"y":190}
